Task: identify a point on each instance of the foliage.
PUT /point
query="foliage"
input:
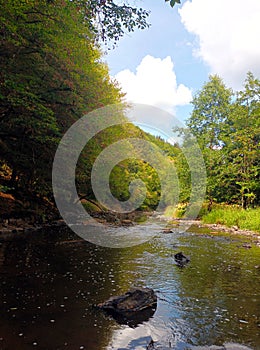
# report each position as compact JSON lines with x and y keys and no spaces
{"x":51,"y":74}
{"x":173,"y":2}
{"x":227,"y":129}
{"x":132,"y":168}
{"x":210,"y":111}
{"x":242,"y":143}
{"x":110,"y":19}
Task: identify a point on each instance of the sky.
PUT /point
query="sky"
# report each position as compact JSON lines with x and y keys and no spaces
{"x":167,"y":63}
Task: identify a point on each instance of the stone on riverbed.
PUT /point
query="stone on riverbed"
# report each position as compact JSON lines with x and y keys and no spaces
{"x":181,"y":259}
{"x":167,"y":230}
{"x":133,"y":307}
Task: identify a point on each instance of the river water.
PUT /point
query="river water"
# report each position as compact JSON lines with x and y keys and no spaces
{"x":50,"y":281}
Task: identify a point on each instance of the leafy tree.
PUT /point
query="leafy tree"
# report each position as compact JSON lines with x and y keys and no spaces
{"x":51,"y":75}
{"x":109,"y":19}
{"x":242,"y":143}
{"x":227,"y":129}
{"x":211,"y":107}
{"x":210,"y":113}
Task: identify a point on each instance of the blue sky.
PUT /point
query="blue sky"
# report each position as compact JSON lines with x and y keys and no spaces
{"x":165,"y":64}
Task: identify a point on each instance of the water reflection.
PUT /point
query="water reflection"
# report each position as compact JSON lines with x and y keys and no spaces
{"x":50,"y":281}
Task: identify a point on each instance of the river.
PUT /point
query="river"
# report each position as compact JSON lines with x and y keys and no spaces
{"x":50,"y":281}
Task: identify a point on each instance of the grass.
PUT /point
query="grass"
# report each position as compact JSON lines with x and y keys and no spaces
{"x":245,"y":219}
{"x":228,"y":215}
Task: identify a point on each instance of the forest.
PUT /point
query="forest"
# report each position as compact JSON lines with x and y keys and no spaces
{"x":52,"y":73}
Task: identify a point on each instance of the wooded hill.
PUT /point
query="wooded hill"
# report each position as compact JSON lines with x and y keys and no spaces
{"x":51,"y":74}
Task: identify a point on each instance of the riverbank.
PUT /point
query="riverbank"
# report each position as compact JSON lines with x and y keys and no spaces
{"x":18,"y":221}
{"x":233,"y":217}
{"x":17,"y":218}
{"x":222,"y":217}
{"x":16,"y":228}
{"x":22,"y":214}
{"x":234,"y":230}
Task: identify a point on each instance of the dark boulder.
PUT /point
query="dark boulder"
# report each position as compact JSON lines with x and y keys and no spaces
{"x":135,"y":306}
{"x":181,"y":259}
{"x":167,"y":230}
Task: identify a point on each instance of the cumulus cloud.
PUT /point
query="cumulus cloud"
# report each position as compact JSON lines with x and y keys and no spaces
{"x":228,"y":34}
{"x":154,"y":83}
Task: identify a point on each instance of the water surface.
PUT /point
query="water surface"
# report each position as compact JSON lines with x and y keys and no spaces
{"x":49,"y":282}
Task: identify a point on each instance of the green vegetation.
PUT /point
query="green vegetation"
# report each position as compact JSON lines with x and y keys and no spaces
{"x":233,"y":216}
{"x":52,"y":74}
{"x":227,"y":127}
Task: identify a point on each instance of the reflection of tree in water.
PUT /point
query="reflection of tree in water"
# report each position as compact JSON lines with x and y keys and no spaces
{"x":48,"y":287}
{"x":49,"y":282}
{"x":217,"y":293}
{"x":2,"y":254}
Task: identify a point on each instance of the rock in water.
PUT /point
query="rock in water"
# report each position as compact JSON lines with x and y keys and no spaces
{"x":133,"y":307}
{"x":167,"y":230}
{"x":181,"y":259}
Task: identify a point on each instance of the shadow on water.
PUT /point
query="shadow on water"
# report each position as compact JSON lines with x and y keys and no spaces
{"x":50,"y":281}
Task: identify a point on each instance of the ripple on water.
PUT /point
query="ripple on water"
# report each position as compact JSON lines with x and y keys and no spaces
{"x":213,"y":300}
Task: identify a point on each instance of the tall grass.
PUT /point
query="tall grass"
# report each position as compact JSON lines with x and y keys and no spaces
{"x":246,"y":219}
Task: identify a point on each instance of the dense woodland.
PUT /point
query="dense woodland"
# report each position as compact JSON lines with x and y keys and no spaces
{"x":52,"y":74}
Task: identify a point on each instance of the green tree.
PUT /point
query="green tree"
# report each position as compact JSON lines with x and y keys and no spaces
{"x":242,"y":146}
{"x":211,"y":106}
{"x":227,"y":129}
{"x":210,"y":113}
{"x":110,"y":20}
{"x":51,"y":74}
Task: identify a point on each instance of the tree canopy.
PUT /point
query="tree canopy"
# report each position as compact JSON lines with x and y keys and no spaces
{"x":227,"y":128}
{"x":109,"y":19}
{"x":51,"y":75}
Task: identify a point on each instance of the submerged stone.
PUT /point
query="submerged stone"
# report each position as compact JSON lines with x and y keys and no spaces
{"x":181,"y":259}
{"x":133,"y":307}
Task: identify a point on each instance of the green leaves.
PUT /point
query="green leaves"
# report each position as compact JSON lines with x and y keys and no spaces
{"x":211,"y":108}
{"x":227,"y":127}
{"x":173,"y":2}
{"x":109,"y":20}
{"x":51,"y":75}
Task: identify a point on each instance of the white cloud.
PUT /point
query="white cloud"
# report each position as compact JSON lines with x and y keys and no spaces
{"x":154,"y":83}
{"x":228,"y":33}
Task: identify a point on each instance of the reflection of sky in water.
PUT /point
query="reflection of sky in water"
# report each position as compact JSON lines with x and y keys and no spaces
{"x":199,"y":304}
{"x":50,"y":281}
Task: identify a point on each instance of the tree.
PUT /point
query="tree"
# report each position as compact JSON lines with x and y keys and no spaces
{"x":51,"y":75}
{"x":227,"y":128}
{"x":243,"y":143}
{"x":211,"y":106}
{"x":211,"y":109}
{"x":109,"y":19}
